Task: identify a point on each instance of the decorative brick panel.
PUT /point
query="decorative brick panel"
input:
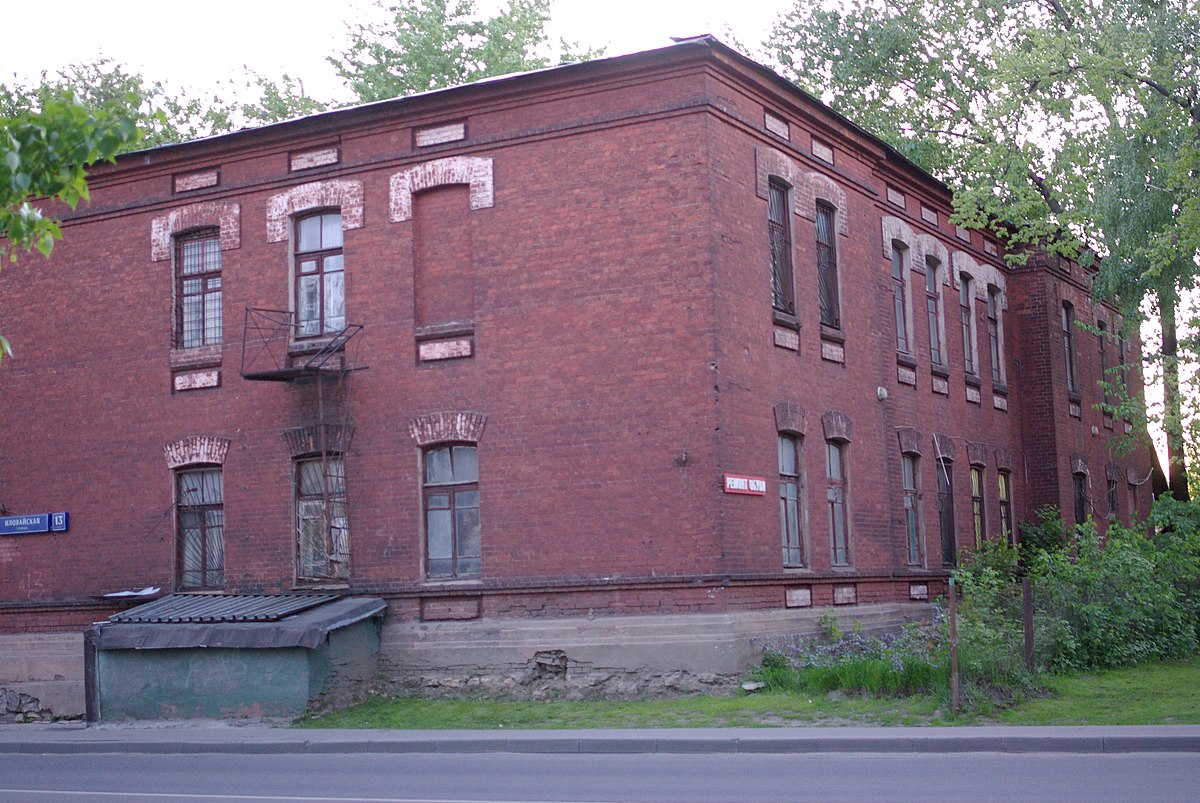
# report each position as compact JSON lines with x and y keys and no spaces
{"x":790,"y":417}
{"x":222,"y":215}
{"x":445,"y":349}
{"x":822,"y":151}
{"x":962,"y":234}
{"x":836,"y":426}
{"x":328,"y":438}
{"x":929,"y":215}
{"x":833,"y":352}
{"x":440,"y":134}
{"x":787,"y":338}
{"x":344,"y":194}
{"x":895,"y":197}
{"x":775,"y":125}
{"x":210,"y":449}
{"x":845,"y":595}
{"x":187,"y":182}
{"x":906,"y":376}
{"x":798,"y":597}
{"x":941,"y":386}
{"x":973,"y":395}
{"x":310,"y":159}
{"x":984,"y":274}
{"x":910,"y":440}
{"x":999,"y":402}
{"x":198,"y":380}
{"x":446,"y":427}
{"x":474,"y":171}
{"x":918,"y":591}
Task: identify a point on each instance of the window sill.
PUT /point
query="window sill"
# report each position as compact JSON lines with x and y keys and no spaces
{"x":199,"y":357}
{"x":999,"y":388}
{"x":437,"y":331}
{"x":972,"y":380}
{"x":301,"y":348}
{"x":320,"y":585}
{"x":832,"y":335}
{"x":907,"y":360}
{"x":1073,"y":397}
{"x":781,"y":318}
{"x":450,"y":584}
{"x":939,"y":370}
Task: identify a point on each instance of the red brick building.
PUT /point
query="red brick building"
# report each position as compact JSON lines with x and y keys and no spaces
{"x":646,"y":336}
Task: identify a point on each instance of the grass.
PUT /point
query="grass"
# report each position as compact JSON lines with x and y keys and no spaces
{"x":1151,"y":694}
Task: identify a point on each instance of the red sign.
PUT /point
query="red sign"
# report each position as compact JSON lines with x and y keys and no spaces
{"x":739,"y":484}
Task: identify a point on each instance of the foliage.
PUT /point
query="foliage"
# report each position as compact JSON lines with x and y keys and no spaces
{"x":1046,"y":534}
{"x":432,"y":44}
{"x":1071,"y":125}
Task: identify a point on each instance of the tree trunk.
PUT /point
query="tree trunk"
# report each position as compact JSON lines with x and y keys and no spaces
{"x":1177,"y":479}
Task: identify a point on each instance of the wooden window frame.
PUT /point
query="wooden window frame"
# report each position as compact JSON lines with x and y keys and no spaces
{"x":322,"y":257}
{"x":837,"y":499}
{"x":966,"y":304}
{"x":995,"y":346}
{"x":1004,"y":499}
{"x":1068,"y":337}
{"x":791,"y":500}
{"x":203,"y":326}
{"x":978,"y":509}
{"x":933,"y":312}
{"x":333,"y":511}
{"x":900,"y":258}
{"x":209,"y":527}
{"x":910,"y":482}
{"x":460,"y":563}
{"x":945,"y":480}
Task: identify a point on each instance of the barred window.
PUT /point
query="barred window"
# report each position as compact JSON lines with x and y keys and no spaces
{"x":783,"y":296}
{"x":200,"y":514}
{"x":198,"y":289}
{"x":322,"y":520}
{"x":827,"y":277}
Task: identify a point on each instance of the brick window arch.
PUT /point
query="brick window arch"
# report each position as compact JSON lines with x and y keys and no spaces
{"x":342,"y":194}
{"x":474,"y":171}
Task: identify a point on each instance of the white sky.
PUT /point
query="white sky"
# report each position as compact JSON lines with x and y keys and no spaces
{"x":193,"y":46}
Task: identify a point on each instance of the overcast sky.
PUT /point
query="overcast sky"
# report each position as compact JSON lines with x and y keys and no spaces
{"x":193,"y":46}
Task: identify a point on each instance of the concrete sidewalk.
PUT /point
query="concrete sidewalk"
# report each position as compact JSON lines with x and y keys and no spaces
{"x":224,"y":737}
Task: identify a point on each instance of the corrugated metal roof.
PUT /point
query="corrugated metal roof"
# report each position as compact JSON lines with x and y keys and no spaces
{"x":208,"y":608}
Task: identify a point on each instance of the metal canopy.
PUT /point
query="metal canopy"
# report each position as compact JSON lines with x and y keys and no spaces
{"x":177,"y":608}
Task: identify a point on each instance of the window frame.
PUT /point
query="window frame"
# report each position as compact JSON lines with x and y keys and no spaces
{"x":1102,"y":341}
{"x":966,"y":303}
{"x":900,"y":273}
{"x":995,"y":334}
{"x":779,"y":244}
{"x":910,"y":483}
{"x":210,"y":577}
{"x":933,"y":312}
{"x":825,"y":239}
{"x":945,"y":507}
{"x":334,"y":512}
{"x":211,"y":326}
{"x":1079,"y":492}
{"x":1068,"y":337}
{"x":459,"y":562}
{"x":837,"y":495}
{"x":319,"y":256}
{"x":978,"y":505}
{"x":791,"y":500}
{"x":1004,"y":502}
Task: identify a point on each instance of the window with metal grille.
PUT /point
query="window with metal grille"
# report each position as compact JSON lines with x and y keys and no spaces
{"x":1004,"y":494}
{"x":945,"y":503}
{"x":791,"y":523}
{"x":836,"y":493}
{"x":899,"y":292}
{"x":912,"y":510}
{"x":932,"y":301}
{"x":452,"y":533}
{"x":827,"y":277}
{"x":200,"y":515}
{"x":198,"y":289}
{"x":320,"y":301}
{"x":993,"y":318}
{"x":1068,"y":338}
{"x":966,"y":304}
{"x":322,"y":520}
{"x":978,"y":519}
{"x":783,"y":296}
{"x":1079,"y":483}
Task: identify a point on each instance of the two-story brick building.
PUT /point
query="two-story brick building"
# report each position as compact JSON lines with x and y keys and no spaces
{"x":609,"y":366}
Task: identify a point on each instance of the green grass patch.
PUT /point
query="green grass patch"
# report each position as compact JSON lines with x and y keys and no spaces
{"x":1166,"y":693}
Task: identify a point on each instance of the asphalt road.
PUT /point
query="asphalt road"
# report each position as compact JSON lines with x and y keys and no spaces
{"x":190,"y":778}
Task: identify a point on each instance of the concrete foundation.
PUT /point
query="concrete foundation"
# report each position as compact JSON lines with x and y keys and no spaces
{"x":41,"y":676}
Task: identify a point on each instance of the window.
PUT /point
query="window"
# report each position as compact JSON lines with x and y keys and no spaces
{"x":945,"y":503}
{"x":899,"y":301}
{"x":931,"y":309}
{"x":200,"y":510}
{"x":320,"y":284}
{"x":322,"y":524}
{"x":993,"y":318}
{"x":1112,"y":493}
{"x":1081,"y":497}
{"x":966,"y":303}
{"x":1102,"y":340}
{"x":452,"y":512}
{"x":827,"y":268}
{"x":783,"y":296}
{"x":977,"y":514}
{"x":1004,"y":493}
{"x":791,"y":524}
{"x":1122,"y":360}
{"x":198,"y":289}
{"x":1068,"y":329}
{"x":912,"y":514}
{"x":835,"y":472}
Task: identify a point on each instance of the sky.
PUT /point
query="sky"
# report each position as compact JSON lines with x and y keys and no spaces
{"x":195,"y":47}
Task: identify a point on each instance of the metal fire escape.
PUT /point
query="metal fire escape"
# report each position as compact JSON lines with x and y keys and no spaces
{"x":271,"y":353}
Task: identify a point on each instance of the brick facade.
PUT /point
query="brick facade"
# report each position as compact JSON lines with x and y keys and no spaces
{"x":596,"y":322}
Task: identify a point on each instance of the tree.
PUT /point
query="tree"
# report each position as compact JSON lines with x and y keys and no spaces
{"x":432,"y":44}
{"x":44,"y":153}
{"x":1072,"y":125}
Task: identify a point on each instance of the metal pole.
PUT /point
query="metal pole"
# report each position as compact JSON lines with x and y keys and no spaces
{"x":1027,"y":614}
{"x":953,"y":650}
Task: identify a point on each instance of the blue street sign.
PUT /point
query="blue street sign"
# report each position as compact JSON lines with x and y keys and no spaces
{"x":35,"y":523}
